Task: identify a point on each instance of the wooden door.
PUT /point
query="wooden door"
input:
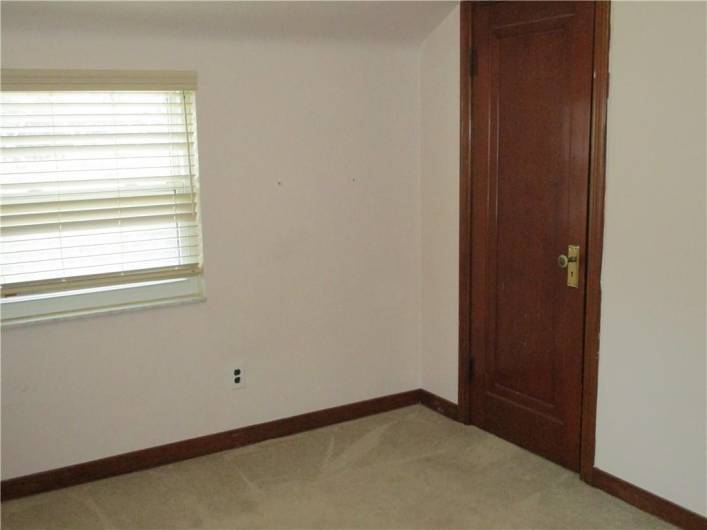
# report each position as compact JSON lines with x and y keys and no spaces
{"x":531,"y":102}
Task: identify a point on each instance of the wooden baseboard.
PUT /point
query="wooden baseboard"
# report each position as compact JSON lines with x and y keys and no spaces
{"x":203,"y":445}
{"x":647,"y":501}
{"x":439,"y":404}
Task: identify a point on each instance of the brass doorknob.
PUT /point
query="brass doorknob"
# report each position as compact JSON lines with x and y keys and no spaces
{"x":563,"y":261}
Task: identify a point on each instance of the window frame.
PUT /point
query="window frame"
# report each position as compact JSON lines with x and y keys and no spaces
{"x":111,"y":292}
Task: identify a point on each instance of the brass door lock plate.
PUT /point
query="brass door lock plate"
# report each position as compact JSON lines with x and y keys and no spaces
{"x":573,"y":266}
{"x":571,"y":263}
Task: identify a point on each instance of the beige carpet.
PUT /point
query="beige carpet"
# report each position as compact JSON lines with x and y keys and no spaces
{"x":409,"y":468}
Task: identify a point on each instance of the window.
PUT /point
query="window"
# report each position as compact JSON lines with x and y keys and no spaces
{"x":99,"y":192}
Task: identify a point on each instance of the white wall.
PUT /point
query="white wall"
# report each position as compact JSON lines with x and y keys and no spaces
{"x":651,"y":412}
{"x":439,"y":96}
{"x":310,"y":177}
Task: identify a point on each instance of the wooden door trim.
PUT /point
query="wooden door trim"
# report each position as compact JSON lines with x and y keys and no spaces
{"x":595,"y":229}
{"x":595,"y":238}
{"x":464,"y":399}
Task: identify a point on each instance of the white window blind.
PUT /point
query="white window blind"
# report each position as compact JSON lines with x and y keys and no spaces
{"x":97,"y":188}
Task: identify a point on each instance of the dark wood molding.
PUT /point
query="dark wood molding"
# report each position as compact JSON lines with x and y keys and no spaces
{"x":204,"y":445}
{"x":464,"y":409}
{"x":595,"y":237}
{"x":648,"y":502}
{"x":439,"y":404}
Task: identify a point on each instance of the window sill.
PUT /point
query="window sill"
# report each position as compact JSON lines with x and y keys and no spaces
{"x":104,"y":302}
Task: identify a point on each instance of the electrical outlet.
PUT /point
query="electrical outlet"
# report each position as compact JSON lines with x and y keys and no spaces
{"x":237,"y":377}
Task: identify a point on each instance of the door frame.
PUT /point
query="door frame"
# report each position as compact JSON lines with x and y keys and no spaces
{"x":595,"y":230}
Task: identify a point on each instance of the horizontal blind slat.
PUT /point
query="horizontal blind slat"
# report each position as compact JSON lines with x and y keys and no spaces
{"x":93,"y":120}
{"x":7,"y":101}
{"x":17,"y":153}
{"x":97,"y":280}
{"x":93,"y":139}
{"x":15,"y":134}
{"x":105,"y":224}
{"x":34,"y":252}
{"x":96,"y":260}
{"x":88,"y":174}
{"x":96,"y":96}
{"x":91,"y":205}
{"x":126,"y":162}
{"x":66,"y":180}
{"x":127,"y":213}
{"x":97,"y":195}
{"x":47,"y":240}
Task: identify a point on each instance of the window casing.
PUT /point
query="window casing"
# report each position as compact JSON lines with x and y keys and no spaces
{"x":99,"y":192}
